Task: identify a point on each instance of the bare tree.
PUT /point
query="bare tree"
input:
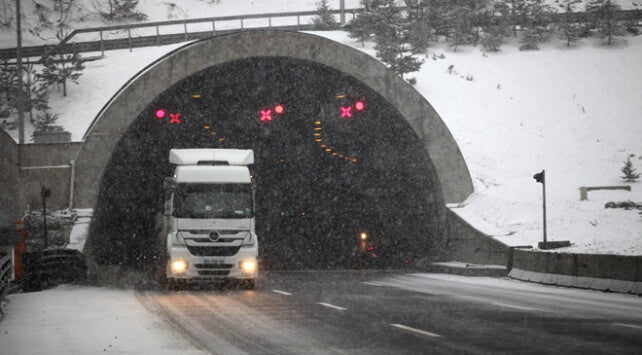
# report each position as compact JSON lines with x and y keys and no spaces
{"x":62,"y":8}
{"x":7,"y":13}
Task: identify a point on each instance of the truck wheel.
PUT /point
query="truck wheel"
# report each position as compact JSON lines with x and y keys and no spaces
{"x":248,"y":284}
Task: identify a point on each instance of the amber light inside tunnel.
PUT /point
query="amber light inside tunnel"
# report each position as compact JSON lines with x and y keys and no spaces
{"x":320,"y":178}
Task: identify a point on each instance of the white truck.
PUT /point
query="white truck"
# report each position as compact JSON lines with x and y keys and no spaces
{"x":209,"y":223}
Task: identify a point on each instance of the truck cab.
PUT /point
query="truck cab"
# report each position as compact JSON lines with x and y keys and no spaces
{"x":209,"y":222}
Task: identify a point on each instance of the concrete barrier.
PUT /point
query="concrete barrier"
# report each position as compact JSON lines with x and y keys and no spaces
{"x":618,"y":267}
{"x":616,"y":273}
{"x":592,"y":283}
{"x":563,"y":264}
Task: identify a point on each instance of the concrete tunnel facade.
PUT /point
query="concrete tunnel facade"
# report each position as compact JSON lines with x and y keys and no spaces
{"x":125,"y":106}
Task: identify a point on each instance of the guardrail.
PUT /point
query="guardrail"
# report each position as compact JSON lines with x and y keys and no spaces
{"x":151,"y":33}
{"x":585,"y":189}
{"x":51,"y":267}
{"x":6,"y":269}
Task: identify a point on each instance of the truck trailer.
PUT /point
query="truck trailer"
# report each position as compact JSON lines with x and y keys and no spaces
{"x":208,"y":222}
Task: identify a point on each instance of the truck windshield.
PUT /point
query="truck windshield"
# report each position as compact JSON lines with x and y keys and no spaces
{"x":213,"y":201}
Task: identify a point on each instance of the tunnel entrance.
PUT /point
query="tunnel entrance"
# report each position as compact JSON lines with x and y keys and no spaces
{"x":333,"y":160}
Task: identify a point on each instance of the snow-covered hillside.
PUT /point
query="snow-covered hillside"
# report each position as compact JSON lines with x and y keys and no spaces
{"x":575,"y":112}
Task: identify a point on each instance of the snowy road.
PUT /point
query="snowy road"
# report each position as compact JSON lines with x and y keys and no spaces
{"x":386,"y":313}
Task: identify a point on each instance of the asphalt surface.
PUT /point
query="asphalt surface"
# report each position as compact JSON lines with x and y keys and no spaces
{"x":381,"y":312}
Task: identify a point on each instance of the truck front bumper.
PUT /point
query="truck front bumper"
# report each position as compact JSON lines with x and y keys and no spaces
{"x":184,"y":266}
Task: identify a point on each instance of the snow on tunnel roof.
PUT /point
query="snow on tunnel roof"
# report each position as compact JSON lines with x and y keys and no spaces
{"x":207,"y":174}
{"x":194,"y":156}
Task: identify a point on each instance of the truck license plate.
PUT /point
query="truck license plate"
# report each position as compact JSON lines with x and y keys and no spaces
{"x":213,"y":261}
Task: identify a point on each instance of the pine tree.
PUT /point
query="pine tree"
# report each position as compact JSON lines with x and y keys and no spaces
{"x":513,"y":12}
{"x":391,"y":36}
{"x":360,"y":28}
{"x":493,"y":37}
{"x":419,"y":35}
{"x":605,"y":12}
{"x":495,"y":27}
{"x":65,"y":68}
{"x":425,"y":20}
{"x":364,"y":25}
{"x":45,"y":123}
{"x":530,"y":39}
{"x":568,"y":29}
{"x":120,"y":9}
{"x":536,"y":17}
{"x":460,"y":17}
{"x":324,"y":20}
{"x":629,"y":171}
{"x":7,"y":80}
{"x":501,"y":12}
{"x":36,"y":96}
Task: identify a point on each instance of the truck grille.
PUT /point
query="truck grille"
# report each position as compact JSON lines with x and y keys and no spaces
{"x":213,"y":266}
{"x":213,"y":251}
{"x":213,"y":269}
{"x":213,"y":272}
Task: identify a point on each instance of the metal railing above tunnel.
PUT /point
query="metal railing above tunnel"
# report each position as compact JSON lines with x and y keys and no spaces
{"x":157,"y":33}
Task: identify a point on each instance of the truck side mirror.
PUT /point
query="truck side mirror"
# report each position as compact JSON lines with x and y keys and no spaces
{"x":168,"y":187}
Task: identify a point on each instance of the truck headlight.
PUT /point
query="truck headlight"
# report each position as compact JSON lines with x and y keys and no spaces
{"x":179,"y":266}
{"x":248,"y":266}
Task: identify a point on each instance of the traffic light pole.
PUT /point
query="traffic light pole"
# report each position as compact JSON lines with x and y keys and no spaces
{"x":541,"y":178}
{"x":19,"y":91}
{"x":45,"y":192}
{"x":544,"y":206}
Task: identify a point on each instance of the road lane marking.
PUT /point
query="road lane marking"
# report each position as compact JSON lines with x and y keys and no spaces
{"x":332,"y":306}
{"x":283,"y":292}
{"x":515,"y":307}
{"x":628,"y":325}
{"x":415,"y":330}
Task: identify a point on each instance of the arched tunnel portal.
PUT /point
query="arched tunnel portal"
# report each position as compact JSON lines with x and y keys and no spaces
{"x":340,"y":159}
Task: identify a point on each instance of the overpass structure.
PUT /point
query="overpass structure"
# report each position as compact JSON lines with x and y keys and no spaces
{"x":79,"y":170}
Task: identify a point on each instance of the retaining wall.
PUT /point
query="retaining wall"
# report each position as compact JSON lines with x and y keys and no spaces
{"x":47,"y":165}
{"x":467,"y":244}
{"x":11,"y":201}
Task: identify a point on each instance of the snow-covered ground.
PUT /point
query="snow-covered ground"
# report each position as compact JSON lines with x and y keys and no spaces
{"x":85,"y":320}
{"x":575,"y":112}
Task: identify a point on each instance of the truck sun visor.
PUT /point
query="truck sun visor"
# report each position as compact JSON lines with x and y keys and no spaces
{"x":196,"y":156}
